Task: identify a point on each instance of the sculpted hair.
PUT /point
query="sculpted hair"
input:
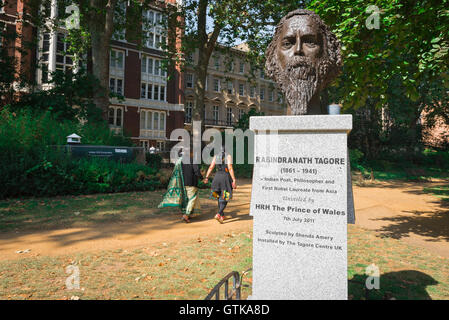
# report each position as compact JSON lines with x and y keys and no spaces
{"x":331,"y":60}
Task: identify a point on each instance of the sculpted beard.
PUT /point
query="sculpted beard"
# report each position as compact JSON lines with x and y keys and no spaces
{"x":299,"y":82}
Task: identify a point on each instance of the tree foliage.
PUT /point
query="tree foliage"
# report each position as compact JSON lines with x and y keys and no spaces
{"x":207,"y":23}
{"x":69,"y":96}
{"x":402,"y":66}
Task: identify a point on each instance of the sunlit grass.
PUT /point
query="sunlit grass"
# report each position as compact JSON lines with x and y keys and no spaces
{"x":190,"y":269}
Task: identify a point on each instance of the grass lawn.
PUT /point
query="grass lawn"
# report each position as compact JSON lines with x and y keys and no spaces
{"x":190,"y":269}
{"x":441,"y":192}
{"x":412,"y":175}
{"x":173,"y":270}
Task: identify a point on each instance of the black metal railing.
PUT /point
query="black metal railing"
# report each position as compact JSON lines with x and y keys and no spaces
{"x":237,"y":283}
{"x":236,"y":291}
{"x":214,"y":122}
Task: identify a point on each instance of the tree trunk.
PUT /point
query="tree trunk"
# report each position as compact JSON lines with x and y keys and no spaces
{"x":206,"y":46}
{"x":413,"y":129}
{"x":199,"y":91}
{"x":100,"y":23}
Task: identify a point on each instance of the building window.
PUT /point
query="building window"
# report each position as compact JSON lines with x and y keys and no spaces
{"x":188,"y":112}
{"x":145,"y":144}
{"x":119,"y":22}
{"x":262,"y":93}
{"x":45,"y":57}
{"x":252,"y":92}
{"x":262,"y":74}
{"x":153,"y":80}
{"x":152,"y":91}
{"x":190,"y":58}
{"x":271,"y":95}
{"x":152,"y":66}
{"x":162,"y":121}
{"x":58,"y":53}
{"x":241,"y":89}
{"x":162,"y":93}
{"x":229,"y":116}
{"x":157,"y":68}
{"x":242,"y":67}
{"x":146,"y":120}
{"x":215,"y":114}
{"x":152,"y":123}
{"x":146,"y":90}
{"x":115,"y":117}
{"x":64,"y":61}
{"x":154,"y":29}
{"x":116,"y":85}
{"x":189,"y":80}
{"x":241,"y":113}
{"x":117,"y":59}
{"x":230,"y":87}
{"x":116,"y":71}
{"x":156,"y":92}
{"x":216,"y":85}
{"x":217,"y":63}
{"x":160,"y":145}
{"x":143,"y":65}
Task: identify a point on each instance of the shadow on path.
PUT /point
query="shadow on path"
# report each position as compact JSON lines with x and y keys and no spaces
{"x":432,"y":224}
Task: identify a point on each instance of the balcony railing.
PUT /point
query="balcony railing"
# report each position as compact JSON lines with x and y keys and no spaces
{"x":214,"y":122}
{"x":152,"y":133}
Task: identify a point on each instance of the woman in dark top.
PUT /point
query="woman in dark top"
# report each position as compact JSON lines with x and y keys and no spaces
{"x":191,"y":174}
{"x":223,"y":183}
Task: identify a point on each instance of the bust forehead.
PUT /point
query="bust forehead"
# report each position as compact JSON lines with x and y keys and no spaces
{"x":305,"y":24}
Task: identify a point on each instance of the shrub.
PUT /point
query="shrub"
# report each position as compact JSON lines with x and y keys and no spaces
{"x":243,"y":170}
{"x":29,"y":167}
{"x":58,"y":174}
{"x":29,"y":129}
{"x":153,"y":160}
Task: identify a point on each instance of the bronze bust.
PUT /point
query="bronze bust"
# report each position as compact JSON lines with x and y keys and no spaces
{"x":303,"y":58}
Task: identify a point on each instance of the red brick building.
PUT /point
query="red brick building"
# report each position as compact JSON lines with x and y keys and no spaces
{"x":153,"y":105}
{"x":17,"y":34}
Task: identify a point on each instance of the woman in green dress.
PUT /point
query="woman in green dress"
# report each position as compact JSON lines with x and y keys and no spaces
{"x":182,"y":191}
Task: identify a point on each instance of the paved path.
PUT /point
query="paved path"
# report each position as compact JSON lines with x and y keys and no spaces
{"x":398,"y":210}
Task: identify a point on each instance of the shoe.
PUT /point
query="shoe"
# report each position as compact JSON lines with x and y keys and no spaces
{"x":185,"y":218}
{"x":219,"y":218}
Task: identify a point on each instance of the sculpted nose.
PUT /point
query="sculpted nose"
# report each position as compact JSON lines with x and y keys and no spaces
{"x":298,"y":47}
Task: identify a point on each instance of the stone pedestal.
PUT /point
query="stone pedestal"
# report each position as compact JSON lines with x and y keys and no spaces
{"x":299,"y":203}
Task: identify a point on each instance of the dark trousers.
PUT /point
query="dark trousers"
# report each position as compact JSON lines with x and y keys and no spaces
{"x":221,"y":204}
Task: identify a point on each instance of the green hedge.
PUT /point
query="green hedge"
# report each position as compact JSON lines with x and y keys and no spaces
{"x":51,"y":173}
{"x":396,"y":165}
{"x":28,"y":167}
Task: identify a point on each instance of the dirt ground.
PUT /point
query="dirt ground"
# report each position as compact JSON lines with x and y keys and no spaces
{"x":399,"y":210}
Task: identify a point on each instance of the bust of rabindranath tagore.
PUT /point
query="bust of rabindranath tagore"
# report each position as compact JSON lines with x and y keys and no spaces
{"x":303,"y":58}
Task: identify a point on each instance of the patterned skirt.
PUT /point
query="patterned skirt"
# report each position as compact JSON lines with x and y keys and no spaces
{"x":222,"y":186}
{"x":193,"y":201}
